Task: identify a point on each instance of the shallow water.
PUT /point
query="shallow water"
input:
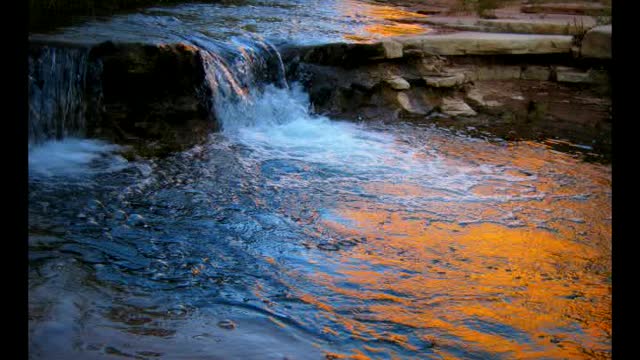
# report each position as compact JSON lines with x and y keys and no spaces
{"x":319,"y":238}
{"x":279,"y":21}
{"x":292,"y":235}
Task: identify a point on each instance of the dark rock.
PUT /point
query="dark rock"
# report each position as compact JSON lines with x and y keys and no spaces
{"x":151,"y":96}
{"x":349,"y":55}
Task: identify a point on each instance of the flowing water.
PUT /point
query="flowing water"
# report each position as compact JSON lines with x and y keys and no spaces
{"x":280,"y":21}
{"x":290,"y":235}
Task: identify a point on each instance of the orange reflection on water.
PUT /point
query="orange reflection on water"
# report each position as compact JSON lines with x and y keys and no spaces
{"x":384,"y":20}
{"x":524,"y":280}
{"x":529,"y":284}
{"x":497,"y":251}
{"x":395,"y":29}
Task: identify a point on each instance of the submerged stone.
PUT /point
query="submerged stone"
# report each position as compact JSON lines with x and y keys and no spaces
{"x":398,"y":83}
{"x":227,"y":324}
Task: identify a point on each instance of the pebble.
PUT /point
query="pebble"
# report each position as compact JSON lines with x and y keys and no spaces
{"x":135,"y":220}
{"x":227,"y":324}
{"x":328,"y":247}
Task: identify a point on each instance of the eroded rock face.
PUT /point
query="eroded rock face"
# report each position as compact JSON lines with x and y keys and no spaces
{"x":398,"y":83}
{"x":411,"y":105}
{"x":152,"y":95}
{"x":445,"y":80}
{"x":456,"y":107}
{"x":487,"y":82}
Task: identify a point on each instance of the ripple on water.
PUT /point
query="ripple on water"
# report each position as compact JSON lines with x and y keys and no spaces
{"x":392,"y":240}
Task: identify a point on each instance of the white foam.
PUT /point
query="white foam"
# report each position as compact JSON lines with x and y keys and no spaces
{"x":278,"y":124}
{"x":73,"y":157}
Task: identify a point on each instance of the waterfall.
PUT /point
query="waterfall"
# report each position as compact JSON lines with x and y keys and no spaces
{"x":237,"y":73}
{"x":57,"y":81}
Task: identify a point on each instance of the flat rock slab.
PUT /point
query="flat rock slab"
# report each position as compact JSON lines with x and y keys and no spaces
{"x":568,"y":25}
{"x":477,"y":43}
{"x":537,"y":26}
{"x":597,"y":43}
{"x":567,"y":8}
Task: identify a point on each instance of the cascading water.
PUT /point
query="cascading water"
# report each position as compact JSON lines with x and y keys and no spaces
{"x":236,"y":72}
{"x":57,"y":119}
{"x":292,"y":235}
{"x":56,"y":93}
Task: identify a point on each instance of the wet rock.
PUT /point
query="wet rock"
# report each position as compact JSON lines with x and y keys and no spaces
{"x":574,"y":296}
{"x":159,"y":332}
{"x":227,"y":324}
{"x":146,"y":95}
{"x":135,"y":220}
{"x":456,"y":107}
{"x":346,"y":55}
{"x":409,"y":105}
{"x":398,"y":83}
{"x":536,"y":73}
{"x":572,"y":75}
{"x":150,"y":96}
{"x":445,"y":81}
{"x":597,"y":43}
{"x":348,"y":243}
{"x":328,"y":247}
{"x":120,"y":215}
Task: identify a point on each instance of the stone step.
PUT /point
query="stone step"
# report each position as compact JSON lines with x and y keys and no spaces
{"x":567,"y":8}
{"x":477,"y":43}
{"x":567,"y":26}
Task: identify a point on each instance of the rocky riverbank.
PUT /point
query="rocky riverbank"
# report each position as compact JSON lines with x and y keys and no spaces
{"x":503,"y":81}
{"x":517,"y":86}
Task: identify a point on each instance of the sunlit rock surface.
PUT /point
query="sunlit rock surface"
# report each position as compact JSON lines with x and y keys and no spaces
{"x":476,"y":43}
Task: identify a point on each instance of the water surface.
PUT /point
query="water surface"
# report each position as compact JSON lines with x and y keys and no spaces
{"x":319,"y":238}
{"x":280,"y":21}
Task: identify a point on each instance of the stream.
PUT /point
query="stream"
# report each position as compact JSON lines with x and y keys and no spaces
{"x":290,"y":235}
